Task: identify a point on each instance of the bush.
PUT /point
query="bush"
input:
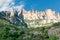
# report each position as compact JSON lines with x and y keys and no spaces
{"x":44,"y":33}
{"x":56,"y":24}
{"x":53,"y":37}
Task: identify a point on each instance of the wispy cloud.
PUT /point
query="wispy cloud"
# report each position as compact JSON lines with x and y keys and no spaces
{"x":19,"y":7}
{"x":7,"y":4}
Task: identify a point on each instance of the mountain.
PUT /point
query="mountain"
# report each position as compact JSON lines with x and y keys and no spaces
{"x":30,"y":18}
{"x":47,"y":15}
{"x":13,"y":17}
{"x":11,"y":23}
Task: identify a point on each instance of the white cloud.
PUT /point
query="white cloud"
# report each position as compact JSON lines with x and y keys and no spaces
{"x":19,"y":7}
{"x":7,"y":4}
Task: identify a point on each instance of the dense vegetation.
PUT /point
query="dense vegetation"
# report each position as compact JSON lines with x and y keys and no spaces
{"x":13,"y":32}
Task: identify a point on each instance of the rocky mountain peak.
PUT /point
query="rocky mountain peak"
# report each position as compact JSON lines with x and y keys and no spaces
{"x":18,"y":17}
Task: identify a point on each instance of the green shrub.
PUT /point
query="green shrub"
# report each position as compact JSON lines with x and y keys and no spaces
{"x":44,"y":33}
{"x":53,"y":37}
{"x":56,"y":24}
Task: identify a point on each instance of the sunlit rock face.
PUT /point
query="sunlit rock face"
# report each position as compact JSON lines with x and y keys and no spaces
{"x":47,"y":16}
{"x":58,"y":16}
{"x":31,"y":15}
{"x":12,"y":13}
{"x":51,"y":16}
{"x":18,"y":17}
{"x":14,"y":17}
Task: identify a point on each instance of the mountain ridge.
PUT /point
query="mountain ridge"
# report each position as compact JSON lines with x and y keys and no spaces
{"x":18,"y":17}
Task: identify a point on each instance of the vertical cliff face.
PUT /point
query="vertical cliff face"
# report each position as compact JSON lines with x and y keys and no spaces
{"x":14,"y":17}
{"x":58,"y":16}
{"x":31,"y":15}
{"x":51,"y":16}
{"x":48,"y":15}
{"x":18,"y":17}
{"x":12,"y":13}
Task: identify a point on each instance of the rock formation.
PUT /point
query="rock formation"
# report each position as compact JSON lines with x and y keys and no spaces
{"x":47,"y":16}
{"x":13,"y":17}
{"x":18,"y":17}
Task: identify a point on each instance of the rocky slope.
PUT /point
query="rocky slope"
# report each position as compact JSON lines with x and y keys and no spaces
{"x":13,"y":17}
{"x":18,"y":17}
{"x":47,"y":16}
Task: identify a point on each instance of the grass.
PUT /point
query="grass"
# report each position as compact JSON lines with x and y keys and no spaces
{"x":28,"y":21}
{"x":13,"y":32}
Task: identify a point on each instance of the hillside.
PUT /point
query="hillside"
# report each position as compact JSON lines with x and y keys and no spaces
{"x":30,"y":18}
{"x":10,"y":31}
{"x":14,"y":26}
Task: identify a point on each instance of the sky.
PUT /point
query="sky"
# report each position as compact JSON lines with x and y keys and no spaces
{"x":39,"y":5}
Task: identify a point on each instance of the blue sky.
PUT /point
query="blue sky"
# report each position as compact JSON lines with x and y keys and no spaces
{"x":39,"y":5}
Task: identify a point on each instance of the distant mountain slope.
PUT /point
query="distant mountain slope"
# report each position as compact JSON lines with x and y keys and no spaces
{"x":27,"y":18}
{"x":14,"y":19}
